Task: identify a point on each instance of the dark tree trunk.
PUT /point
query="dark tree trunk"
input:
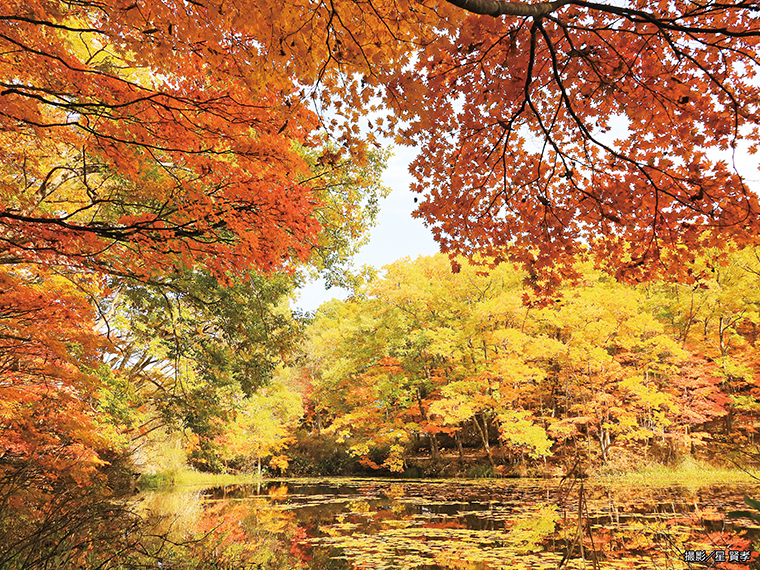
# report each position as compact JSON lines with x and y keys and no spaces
{"x":433,"y":440}
{"x":483,"y":431}
{"x":459,"y":446}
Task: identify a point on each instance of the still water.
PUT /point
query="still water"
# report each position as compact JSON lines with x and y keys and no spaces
{"x":371,"y":524}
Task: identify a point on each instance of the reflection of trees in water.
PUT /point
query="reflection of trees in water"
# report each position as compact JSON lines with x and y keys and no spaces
{"x":497,"y":524}
{"x":104,"y":526}
{"x":640,"y":523}
{"x":346,"y":524}
{"x":215,"y":529}
{"x":173,"y":516}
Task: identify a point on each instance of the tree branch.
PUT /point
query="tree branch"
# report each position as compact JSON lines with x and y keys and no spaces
{"x":498,"y":8}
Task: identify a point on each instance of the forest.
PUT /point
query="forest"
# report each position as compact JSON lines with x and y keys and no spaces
{"x":175,"y":170}
{"x":426,"y":358}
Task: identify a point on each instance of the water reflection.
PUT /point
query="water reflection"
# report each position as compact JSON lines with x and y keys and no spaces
{"x":373,"y":524}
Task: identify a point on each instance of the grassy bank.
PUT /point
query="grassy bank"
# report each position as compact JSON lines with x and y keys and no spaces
{"x":689,"y":472}
{"x":191,"y":478}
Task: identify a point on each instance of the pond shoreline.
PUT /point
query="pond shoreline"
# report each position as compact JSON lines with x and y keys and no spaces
{"x":687,"y":473}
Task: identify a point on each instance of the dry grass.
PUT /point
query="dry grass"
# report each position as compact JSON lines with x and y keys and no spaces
{"x":688,"y":472}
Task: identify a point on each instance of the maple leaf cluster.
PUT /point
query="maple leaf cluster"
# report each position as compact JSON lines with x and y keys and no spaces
{"x":165,"y":129}
{"x":118,"y":159}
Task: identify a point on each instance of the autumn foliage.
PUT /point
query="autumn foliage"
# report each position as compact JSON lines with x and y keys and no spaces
{"x":143,"y":135}
{"x":615,"y":129}
{"x":54,"y":446}
{"x":426,"y":359}
{"x":117,"y":159}
{"x":169,"y":167}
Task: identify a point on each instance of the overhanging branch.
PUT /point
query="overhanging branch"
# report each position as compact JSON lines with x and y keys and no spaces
{"x":497,"y":8}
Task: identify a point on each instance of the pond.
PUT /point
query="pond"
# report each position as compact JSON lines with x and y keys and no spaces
{"x":347,"y":524}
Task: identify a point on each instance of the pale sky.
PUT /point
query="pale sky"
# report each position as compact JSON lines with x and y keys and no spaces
{"x":396,"y":234}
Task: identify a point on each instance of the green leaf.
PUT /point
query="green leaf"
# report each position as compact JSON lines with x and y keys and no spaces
{"x":744,"y":514}
{"x":754,"y":503}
